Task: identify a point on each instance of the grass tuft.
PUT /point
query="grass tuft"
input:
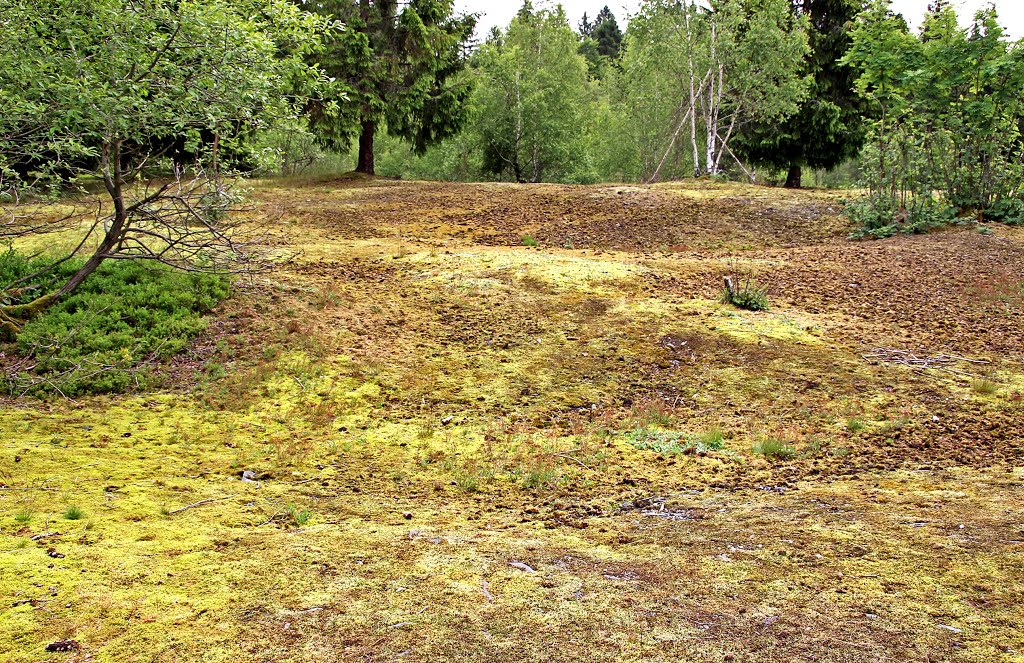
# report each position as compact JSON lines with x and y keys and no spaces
{"x":984,"y":386}
{"x":73,"y":513}
{"x":773,"y":448}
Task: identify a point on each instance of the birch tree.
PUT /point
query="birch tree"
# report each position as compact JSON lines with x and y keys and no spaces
{"x":729,"y":62}
{"x":532,"y":100}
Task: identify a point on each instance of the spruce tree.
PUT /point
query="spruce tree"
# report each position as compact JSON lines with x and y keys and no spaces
{"x":395,"y":65}
{"x":606,"y":33}
{"x":828,"y":129}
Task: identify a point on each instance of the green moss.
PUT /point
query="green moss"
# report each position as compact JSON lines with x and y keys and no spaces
{"x":434,"y":418}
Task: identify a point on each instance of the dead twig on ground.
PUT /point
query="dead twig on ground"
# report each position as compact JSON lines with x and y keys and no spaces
{"x":200,"y":503}
{"x":565,"y":454}
{"x":920,"y":363}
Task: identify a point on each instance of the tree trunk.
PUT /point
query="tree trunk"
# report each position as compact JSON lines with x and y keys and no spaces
{"x":795,"y":176}
{"x":365,"y":164}
{"x":13,"y":318}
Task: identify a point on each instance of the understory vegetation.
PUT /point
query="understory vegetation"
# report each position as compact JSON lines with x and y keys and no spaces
{"x":107,"y":335}
{"x":944,"y":138}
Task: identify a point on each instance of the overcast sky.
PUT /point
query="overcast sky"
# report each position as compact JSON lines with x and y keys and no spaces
{"x":1011,"y":12}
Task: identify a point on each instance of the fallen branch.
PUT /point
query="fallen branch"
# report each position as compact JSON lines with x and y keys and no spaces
{"x":200,"y":503}
{"x":939,"y":362}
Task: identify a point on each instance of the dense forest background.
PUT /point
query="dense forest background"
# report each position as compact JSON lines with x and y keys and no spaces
{"x":776,"y":91}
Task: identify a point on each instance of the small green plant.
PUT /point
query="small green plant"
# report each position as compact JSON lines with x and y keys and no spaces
{"x":668,"y":443}
{"x":539,"y":477}
{"x":673,"y":443}
{"x":712,"y":439}
{"x":984,"y":386}
{"x":73,"y":513}
{"x":24,"y":515}
{"x":467,"y":481}
{"x":215,"y":372}
{"x":298,"y":517}
{"x":747,"y":294}
{"x":855,"y":425}
{"x":771,"y":447}
{"x":529,"y":241}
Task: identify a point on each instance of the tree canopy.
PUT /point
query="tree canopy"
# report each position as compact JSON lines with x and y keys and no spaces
{"x":532,"y":96}
{"x":827,"y":128}
{"x":74,"y":101}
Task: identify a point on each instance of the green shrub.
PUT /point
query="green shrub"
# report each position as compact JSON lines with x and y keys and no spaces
{"x":1006,"y":210}
{"x":773,"y":448}
{"x":105,"y":335}
{"x":747,"y":294}
{"x":881,"y":216}
{"x":73,"y":513}
{"x":529,"y":241}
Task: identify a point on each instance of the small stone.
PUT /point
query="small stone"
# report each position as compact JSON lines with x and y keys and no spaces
{"x":407,"y":515}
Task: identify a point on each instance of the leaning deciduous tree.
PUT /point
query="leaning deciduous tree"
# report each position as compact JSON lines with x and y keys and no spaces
{"x":721,"y":67}
{"x":88,"y":87}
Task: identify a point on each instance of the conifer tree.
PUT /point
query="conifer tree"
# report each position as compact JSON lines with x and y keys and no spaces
{"x":828,"y":129}
{"x":606,"y":33}
{"x":395,"y":65}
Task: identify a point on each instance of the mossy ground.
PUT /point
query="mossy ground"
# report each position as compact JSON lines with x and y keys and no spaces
{"x":445,"y":401}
